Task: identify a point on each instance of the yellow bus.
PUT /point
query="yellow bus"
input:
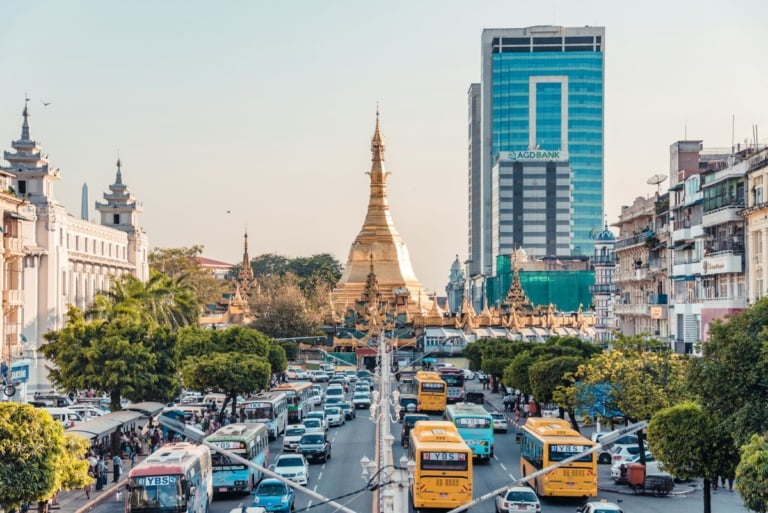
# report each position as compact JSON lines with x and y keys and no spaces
{"x":432,"y":391}
{"x":545,"y":441}
{"x":443,"y":473}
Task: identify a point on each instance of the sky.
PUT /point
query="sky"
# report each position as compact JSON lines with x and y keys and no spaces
{"x":258,"y":115}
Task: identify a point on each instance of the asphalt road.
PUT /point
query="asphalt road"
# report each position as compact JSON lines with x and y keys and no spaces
{"x":341,"y":476}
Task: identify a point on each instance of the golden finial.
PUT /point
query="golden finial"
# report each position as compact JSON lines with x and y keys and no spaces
{"x":377,"y":142}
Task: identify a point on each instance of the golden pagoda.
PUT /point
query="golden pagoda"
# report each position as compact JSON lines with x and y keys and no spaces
{"x":380,"y":245}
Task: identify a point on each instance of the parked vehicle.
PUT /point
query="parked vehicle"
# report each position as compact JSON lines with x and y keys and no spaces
{"x":315,"y":447}
{"x":499,"y":422}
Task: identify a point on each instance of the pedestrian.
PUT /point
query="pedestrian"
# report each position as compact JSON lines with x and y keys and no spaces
{"x":89,"y":485}
{"x":117,"y":467}
{"x":508,"y":402}
{"x":101,"y":474}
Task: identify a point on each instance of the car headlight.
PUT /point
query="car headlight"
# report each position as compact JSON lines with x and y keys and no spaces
{"x":255,"y":499}
{"x":284,"y":499}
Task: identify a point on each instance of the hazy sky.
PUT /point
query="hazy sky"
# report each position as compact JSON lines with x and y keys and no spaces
{"x":265,"y":110}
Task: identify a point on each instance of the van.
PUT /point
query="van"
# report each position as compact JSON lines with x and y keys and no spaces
{"x":68,"y":418}
{"x":217,"y":399}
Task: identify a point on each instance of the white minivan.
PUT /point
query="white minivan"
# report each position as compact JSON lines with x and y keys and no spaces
{"x":68,"y":418}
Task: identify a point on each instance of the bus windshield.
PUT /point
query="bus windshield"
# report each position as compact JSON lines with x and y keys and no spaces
{"x":472,"y":423}
{"x":559,"y":452}
{"x":259,"y":411}
{"x":221,"y":462}
{"x":156,"y":493}
{"x":433,"y":387}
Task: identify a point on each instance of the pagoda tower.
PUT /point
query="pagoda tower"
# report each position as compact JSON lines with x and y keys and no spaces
{"x":380,"y":246}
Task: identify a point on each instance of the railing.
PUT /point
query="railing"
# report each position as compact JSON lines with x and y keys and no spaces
{"x":681,"y":225}
{"x":13,"y":245}
{"x":13,"y":297}
{"x":724,"y":244}
{"x":630,"y":309}
{"x":657,"y":299}
{"x":682,"y":260}
{"x":607,"y":288}
{"x":631,"y":241}
{"x":604,"y":259}
{"x":657,"y":264}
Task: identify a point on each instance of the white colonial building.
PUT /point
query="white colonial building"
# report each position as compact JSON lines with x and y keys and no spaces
{"x":66,"y":260}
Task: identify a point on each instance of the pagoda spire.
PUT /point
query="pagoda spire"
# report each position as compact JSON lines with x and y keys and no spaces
{"x":246,"y":271}
{"x":25,"y":124}
{"x":119,"y":177}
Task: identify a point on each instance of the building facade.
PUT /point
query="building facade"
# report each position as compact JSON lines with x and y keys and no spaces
{"x":541,"y":89}
{"x":66,"y":260}
{"x":756,"y":219}
{"x":604,"y":291}
{"x":531,"y":204}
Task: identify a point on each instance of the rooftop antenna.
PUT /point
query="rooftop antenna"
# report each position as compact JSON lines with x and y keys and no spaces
{"x":733,"y":128}
{"x":656,"y":180}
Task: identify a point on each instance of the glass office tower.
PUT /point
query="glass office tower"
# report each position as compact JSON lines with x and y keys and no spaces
{"x":542,"y":89}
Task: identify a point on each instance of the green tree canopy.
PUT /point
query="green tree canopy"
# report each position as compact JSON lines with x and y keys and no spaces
{"x":182,"y":264}
{"x":231,"y":373}
{"x":277,"y":359}
{"x":752,"y":473}
{"x":731,"y":377}
{"x":283,"y":310}
{"x":690,"y":444}
{"x":36,"y":459}
{"x":291,"y":349}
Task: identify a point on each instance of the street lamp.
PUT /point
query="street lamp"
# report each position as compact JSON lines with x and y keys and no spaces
{"x":368,"y":468}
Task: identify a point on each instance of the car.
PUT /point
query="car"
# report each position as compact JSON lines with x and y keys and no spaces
{"x":341,"y":382}
{"x":321,"y":416}
{"x":601,"y":506}
{"x":341,"y":375}
{"x":317,"y":398}
{"x":317,"y":376}
{"x":334,"y":391}
{"x":362,"y":387}
{"x":621,"y":452}
{"x":350,"y":412}
{"x":620,"y":477}
{"x":361,"y":374}
{"x":408,"y":422}
{"x":295,"y":373}
{"x":361,"y":400}
{"x":468,"y":374}
{"x":87,"y":411}
{"x":366,"y":381}
{"x":351,"y":376}
{"x":336,"y":417}
{"x":314,"y":426}
{"x":293,"y":434}
{"x":604,"y":455}
{"x":274,"y":495}
{"x":292,"y":466}
{"x":248,"y":509}
{"x":499,"y":422}
{"x":517,"y":498}
{"x":334,"y":401}
{"x":319,"y":389}
{"x":315,"y":447}
{"x":327,"y":368}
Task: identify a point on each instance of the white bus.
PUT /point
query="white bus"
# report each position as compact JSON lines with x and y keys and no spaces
{"x":176,"y":478}
{"x":270,"y":408}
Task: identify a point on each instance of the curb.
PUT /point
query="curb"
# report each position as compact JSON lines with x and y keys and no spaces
{"x":106,"y":493}
{"x":628,"y":491}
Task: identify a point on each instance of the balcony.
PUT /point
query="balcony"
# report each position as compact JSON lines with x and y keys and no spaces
{"x":604,"y":259}
{"x":722,"y":263}
{"x":630,"y":309}
{"x":684,"y":230}
{"x":686,"y":268}
{"x":657,"y":264}
{"x":725,"y":214}
{"x":632,"y":241}
{"x":13,"y":246}
{"x":13,"y":298}
{"x":657,"y":299}
{"x":733,"y":244}
{"x":604,"y":289}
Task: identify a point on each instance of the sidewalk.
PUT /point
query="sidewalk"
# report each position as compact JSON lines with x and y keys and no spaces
{"x":75,"y":501}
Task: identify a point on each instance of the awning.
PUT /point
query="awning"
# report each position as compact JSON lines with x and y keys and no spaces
{"x":14,"y":215}
{"x":366,"y":351}
{"x":684,"y":245}
{"x":148,"y":409}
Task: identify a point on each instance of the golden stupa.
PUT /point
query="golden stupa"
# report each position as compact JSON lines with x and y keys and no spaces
{"x":380,"y":249}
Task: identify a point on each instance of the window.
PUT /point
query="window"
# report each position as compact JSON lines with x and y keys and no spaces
{"x":115,"y":218}
{"x":22,"y":186}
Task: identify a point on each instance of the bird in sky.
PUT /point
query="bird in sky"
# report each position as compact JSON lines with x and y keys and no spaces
{"x":45,"y":104}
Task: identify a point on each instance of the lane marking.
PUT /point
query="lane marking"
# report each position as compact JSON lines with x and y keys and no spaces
{"x":320,"y":475}
{"x":502,"y":466}
{"x":495,"y":457}
{"x":314,"y":489}
{"x":309,"y":504}
{"x":513,"y":478}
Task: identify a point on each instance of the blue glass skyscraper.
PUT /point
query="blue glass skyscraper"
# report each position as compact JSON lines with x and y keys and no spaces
{"x":541,"y":89}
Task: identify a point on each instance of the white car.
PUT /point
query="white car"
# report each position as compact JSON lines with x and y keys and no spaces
{"x":321,"y":416}
{"x":602,"y":506}
{"x":335,"y":416}
{"x":468,"y":374}
{"x":87,"y":411}
{"x":293,"y":467}
{"x":517,"y":498}
{"x":319,"y":390}
{"x":248,"y":509}
{"x":361,"y":400}
{"x":293,"y":434}
{"x":314,"y":426}
{"x":499,"y":422}
{"x":332,"y":391}
{"x":317,"y":398}
{"x":622,"y":452}
{"x":651,"y":467}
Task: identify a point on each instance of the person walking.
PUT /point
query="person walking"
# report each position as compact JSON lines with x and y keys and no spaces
{"x":101,"y":474}
{"x":117,"y":467}
{"x":89,"y":485}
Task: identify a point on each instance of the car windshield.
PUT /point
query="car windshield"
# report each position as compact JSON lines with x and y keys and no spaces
{"x":521,"y":496}
{"x":290,"y":462}
{"x":332,"y":411}
{"x":497,"y":416}
{"x":312,"y":423}
{"x":312,"y":439}
{"x":271,"y":490}
{"x":315,"y":415}
{"x":294,"y":431}
{"x":361,"y":396}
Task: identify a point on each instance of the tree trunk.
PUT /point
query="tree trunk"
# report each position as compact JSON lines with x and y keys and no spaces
{"x":114,"y":405}
{"x":707,"y":496}
{"x":641,"y":445}
{"x":574,"y":424}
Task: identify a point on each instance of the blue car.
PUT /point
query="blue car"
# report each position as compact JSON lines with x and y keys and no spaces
{"x":274,"y":495}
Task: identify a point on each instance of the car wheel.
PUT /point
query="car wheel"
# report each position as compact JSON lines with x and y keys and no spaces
{"x":604,"y":458}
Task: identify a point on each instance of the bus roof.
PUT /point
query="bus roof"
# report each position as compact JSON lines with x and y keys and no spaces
{"x":169,"y":459}
{"x":291,"y":387}
{"x":428,"y":376}
{"x":271,"y":395}
{"x":474,"y":410}
{"x":549,"y":427}
{"x":237,"y":431}
{"x":436,"y":431}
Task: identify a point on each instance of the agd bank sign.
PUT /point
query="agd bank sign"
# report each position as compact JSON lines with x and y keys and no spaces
{"x":533,"y":155}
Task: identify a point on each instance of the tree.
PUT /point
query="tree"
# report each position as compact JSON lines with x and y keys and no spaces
{"x":182,"y":264}
{"x":291,"y":349}
{"x":277,"y":359}
{"x":118,"y":356}
{"x":731,"y":377}
{"x":690,"y":444}
{"x":36,"y":459}
{"x":321,"y":269}
{"x":269,"y":264}
{"x":545,"y":376}
{"x":752,"y":473}
{"x":516,"y":372}
{"x":283,"y":311}
{"x":232,"y":374}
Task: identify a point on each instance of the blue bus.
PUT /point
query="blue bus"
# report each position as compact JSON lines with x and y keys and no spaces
{"x":250,"y":441}
{"x":270,"y":408}
{"x":475,"y":426}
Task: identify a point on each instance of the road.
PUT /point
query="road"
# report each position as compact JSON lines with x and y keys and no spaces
{"x":341,"y":476}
